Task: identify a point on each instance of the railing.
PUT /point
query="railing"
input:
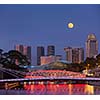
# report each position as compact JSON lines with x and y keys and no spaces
{"x":49,"y":78}
{"x":14,"y":73}
{"x":11,"y":85}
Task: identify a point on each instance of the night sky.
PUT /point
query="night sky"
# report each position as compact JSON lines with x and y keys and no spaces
{"x":43,"y":25}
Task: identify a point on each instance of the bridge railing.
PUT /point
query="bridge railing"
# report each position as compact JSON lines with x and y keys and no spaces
{"x":50,"y":78}
{"x":14,"y":73}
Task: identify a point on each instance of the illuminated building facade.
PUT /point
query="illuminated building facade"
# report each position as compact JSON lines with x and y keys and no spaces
{"x":74,"y":55}
{"x":50,"y":59}
{"x":40,"y":52}
{"x":91,"y":46}
{"x":58,"y":57}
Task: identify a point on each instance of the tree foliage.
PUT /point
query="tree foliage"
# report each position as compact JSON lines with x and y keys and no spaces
{"x":90,"y":63}
{"x":98,"y":59}
{"x":8,"y":59}
{"x":75,"y":67}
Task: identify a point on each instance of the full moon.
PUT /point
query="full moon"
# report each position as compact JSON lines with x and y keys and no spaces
{"x":70,"y":25}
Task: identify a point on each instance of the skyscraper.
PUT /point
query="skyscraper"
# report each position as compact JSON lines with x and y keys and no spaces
{"x":91,"y":46}
{"x":81,"y":55}
{"x":77,"y":55}
{"x":50,"y":50}
{"x":25,"y":50}
{"x":68,"y":51}
{"x":74,"y":55}
{"x":40,"y":52}
{"x":19,"y":48}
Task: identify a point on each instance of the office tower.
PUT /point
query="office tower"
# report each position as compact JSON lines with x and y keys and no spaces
{"x":81,"y":55}
{"x":40,"y":52}
{"x":91,"y":46}
{"x":19,"y":48}
{"x":77,"y":55}
{"x":68,"y":51}
{"x":74,"y":55}
{"x":50,"y":50}
{"x":25,"y":50}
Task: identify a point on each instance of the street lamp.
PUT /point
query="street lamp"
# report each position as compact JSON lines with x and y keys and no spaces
{"x":88,"y":66}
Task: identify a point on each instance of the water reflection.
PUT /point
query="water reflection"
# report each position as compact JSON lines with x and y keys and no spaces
{"x":59,"y":89}
{"x":70,"y":89}
{"x":89,"y":89}
{"x":48,"y":88}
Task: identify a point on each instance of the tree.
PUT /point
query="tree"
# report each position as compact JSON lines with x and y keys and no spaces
{"x":90,"y":63}
{"x":98,"y":59}
{"x":8,"y":60}
{"x":15,"y":55}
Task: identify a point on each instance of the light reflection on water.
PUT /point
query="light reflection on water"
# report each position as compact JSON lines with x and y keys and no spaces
{"x":60,"y":89}
{"x":89,"y":89}
{"x":29,"y":88}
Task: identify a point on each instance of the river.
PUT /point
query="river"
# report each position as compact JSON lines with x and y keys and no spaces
{"x":30,"y":88}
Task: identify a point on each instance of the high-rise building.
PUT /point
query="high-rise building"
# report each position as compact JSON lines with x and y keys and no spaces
{"x":74,"y":55}
{"x":68,"y":51}
{"x":25,"y":50}
{"x":77,"y":55}
{"x":81,"y":55}
{"x":91,"y":46}
{"x":19,"y":48}
{"x":40,"y":52}
{"x":50,"y":50}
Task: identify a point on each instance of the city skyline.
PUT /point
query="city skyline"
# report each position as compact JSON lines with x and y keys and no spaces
{"x":43,"y":25}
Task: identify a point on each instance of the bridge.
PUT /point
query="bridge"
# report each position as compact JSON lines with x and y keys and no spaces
{"x":49,"y":79}
{"x":54,"y":73}
{"x":45,"y":75}
{"x":14,"y":73}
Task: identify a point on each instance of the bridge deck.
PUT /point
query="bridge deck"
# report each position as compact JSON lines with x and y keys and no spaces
{"x":50,"y":78}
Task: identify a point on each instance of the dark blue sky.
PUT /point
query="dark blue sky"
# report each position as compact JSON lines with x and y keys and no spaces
{"x":37,"y":25}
